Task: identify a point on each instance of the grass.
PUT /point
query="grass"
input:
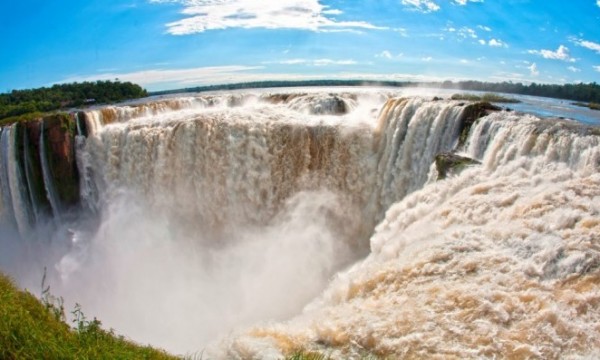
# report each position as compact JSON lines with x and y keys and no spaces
{"x":489,"y":97}
{"x":34,"y":329}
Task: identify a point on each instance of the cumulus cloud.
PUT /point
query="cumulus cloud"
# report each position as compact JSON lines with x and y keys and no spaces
{"x":493,"y":43}
{"x":427,"y":59}
{"x":573,"y":69}
{"x":598,"y":3}
{"x":386,"y":54}
{"x":425,"y":6}
{"x":484,"y":28}
{"x":533,"y":70}
{"x":464,"y":2}
{"x":497,"y":43}
{"x":467,"y":32}
{"x":562,"y":53}
{"x":204,"y":15}
{"x":597,"y":68}
{"x":588,"y":44}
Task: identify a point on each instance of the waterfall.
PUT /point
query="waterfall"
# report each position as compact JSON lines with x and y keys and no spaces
{"x":48,"y":178}
{"x":17,"y":183}
{"x":5,"y":194}
{"x":216,"y":212}
{"x":235,"y":165}
{"x":498,"y":261}
{"x":29,"y":177}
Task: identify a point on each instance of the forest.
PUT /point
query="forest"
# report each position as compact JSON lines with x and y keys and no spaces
{"x":19,"y":103}
{"x":588,"y":93}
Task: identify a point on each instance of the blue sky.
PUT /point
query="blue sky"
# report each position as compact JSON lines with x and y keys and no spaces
{"x":167,"y":44}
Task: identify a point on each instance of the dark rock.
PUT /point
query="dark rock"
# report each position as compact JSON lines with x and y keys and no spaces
{"x":452,"y":164}
{"x":470,"y":114}
{"x":59,"y":132}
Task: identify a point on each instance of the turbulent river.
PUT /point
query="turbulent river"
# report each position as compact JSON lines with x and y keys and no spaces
{"x":251,"y":225}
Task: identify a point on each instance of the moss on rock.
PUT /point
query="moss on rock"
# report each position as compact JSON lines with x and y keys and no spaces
{"x":451,"y":164}
{"x":470,"y":114}
{"x":59,"y":131}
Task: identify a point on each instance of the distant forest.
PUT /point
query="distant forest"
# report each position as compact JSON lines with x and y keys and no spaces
{"x":578,"y":92}
{"x":18,"y":103}
{"x":23,"y":104}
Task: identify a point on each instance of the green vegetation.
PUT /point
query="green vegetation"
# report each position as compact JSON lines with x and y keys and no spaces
{"x":578,"y":92}
{"x":448,"y":164}
{"x":489,"y":97}
{"x":30,"y":329}
{"x":593,"y":106}
{"x":24,"y":104}
{"x":308,"y":355}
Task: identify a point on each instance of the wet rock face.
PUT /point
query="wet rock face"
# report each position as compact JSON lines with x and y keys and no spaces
{"x":470,"y":115}
{"x":448,"y":164}
{"x":60,"y":130}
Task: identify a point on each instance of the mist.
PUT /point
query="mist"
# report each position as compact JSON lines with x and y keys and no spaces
{"x":179,"y":287}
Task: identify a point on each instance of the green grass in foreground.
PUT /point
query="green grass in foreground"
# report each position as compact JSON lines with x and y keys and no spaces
{"x":31,"y":329}
{"x":489,"y":97}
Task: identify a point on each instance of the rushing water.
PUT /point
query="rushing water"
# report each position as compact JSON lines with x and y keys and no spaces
{"x":256,"y":224}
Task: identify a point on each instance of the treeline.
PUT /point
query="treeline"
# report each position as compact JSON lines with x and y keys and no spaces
{"x":578,"y":92}
{"x":22,"y":102}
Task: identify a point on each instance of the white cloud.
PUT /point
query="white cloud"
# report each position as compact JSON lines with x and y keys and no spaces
{"x":386,"y":54}
{"x":482,"y":42}
{"x":326,"y":62}
{"x":598,"y":3}
{"x":464,"y":2}
{"x":204,"y":15}
{"x":181,"y":78}
{"x":464,"y":61}
{"x":466,"y":32}
{"x":425,"y":6}
{"x":484,"y":28}
{"x":573,"y":69}
{"x":312,"y":62}
{"x":597,"y":68}
{"x":496,"y":43}
{"x":292,"y":62}
{"x":205,"y":75}
{"x":427,"y":59}
{"x":588,"y":44}
{"x":562,"y":53}
{"x":533,"y":70}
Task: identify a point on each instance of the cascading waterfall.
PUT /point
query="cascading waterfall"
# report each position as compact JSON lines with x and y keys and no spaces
{"x":48,"y":183}
{"x":213,"y":213}
{"x":29,"y":176}
{"x":18,"y":184}
{"x":499,"y":261}
{"x":6,"y":199}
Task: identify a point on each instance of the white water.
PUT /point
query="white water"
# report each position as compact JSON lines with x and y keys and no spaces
{"x":500,"y":261}
{"x":218,"y":213}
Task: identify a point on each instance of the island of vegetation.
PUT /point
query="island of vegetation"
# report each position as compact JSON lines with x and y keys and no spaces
{"x":591,"y":105}
{"x":32,"y":103}
{"x":488,"y":97}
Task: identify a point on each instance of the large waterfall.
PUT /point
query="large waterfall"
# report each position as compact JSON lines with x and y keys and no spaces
{"x":315,"y":220}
